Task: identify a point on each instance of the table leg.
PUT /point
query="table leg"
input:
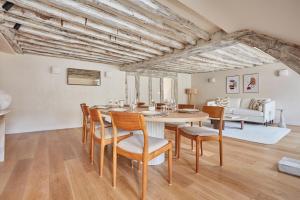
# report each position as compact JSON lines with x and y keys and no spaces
{"x":156,"y":129}
{"x":242,"y":124}
{"x":2,"y":138}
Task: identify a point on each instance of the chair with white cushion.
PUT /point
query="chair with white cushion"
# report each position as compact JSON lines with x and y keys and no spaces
{"x":174,"y":126}
{"x":101,"y":133}
{"x":140,"y":147}
{"x":200,"y":134}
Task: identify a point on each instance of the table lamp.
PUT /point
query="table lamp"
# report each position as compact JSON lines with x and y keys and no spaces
{"x":190,"y":92}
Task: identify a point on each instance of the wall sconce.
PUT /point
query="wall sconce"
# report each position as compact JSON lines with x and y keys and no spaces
{"x":212,"y":80}
{"x":283,"y":72}
{"x":55,"y":70}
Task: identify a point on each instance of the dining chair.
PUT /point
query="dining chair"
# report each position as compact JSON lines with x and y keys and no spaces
{"x":175,"y":126}
{"x":101,"y":133}
{"x":140,"y":146}
{"x":200,"y":134}
{"x":140,"y":104}
{"x":85,"y":121}
{"x":159,"y":105}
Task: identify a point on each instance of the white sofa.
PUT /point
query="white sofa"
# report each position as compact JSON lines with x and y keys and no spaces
{"x":240,"y":106}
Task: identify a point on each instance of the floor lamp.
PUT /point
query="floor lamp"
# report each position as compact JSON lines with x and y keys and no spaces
{"x":190,"y":92}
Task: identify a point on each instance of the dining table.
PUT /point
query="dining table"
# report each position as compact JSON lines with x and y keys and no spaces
{"x":156,"y":123}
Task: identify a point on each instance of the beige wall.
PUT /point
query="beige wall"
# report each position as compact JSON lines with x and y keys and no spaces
{"x":44,"y":101}
{"x":284,"y":90}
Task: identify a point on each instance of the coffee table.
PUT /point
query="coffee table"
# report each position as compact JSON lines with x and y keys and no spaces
{"x":231,"y":118}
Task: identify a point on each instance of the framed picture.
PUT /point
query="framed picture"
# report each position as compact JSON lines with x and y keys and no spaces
{"x":251,"y":83}
{"x":83,"y":77}
{"x":233,"y":84}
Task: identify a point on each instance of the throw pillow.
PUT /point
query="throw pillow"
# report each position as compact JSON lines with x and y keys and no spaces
{"x":257,"y":104}
{"x":223,"y":102}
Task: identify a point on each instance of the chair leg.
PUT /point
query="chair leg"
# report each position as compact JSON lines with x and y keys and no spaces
{"x":83,"y":133}
{"x":144,"y":180}
{"x":101,"y":159}
{"x":176,"y":142}
{"x":178,"y":145}
{"x":92,"y":150}
{"x":170,"y":166}
{"x":201,"y":147}
{"x":221,"y":152}
{"x":115,"y":156}
{"x":138,"y":165}
{"x":197,"y":154}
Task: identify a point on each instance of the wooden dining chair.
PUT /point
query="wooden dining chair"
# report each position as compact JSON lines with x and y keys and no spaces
{"x":175,"y":126}
{"x":140,"y":147}
{"x":140,"y":104}
{"x":159,"y":105}
{"x":85,"y":121}
{"x":200,"y":134}
{"x":101,"y":133}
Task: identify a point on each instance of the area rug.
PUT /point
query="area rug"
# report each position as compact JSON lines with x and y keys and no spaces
{"x":255,"y":132}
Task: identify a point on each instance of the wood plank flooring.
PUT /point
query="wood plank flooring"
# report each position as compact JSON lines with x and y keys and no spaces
{"x":55,"y":165}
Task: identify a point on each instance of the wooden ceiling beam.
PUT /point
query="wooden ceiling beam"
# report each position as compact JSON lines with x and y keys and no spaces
{"x":71,"y":48}
{"x":219,"y":40}
{"x":65,"y":36}
{"x":128,"y":13}
{"x":63,"y":52}
{"x":66,"y":56}
{"x":103,"y":17}
{"x":51,"y":14}
{"x":86,"y":47}
{"x":160,"y":10}
{"x":27,"y":17}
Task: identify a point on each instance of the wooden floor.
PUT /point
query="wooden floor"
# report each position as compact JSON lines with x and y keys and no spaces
{"x":54,"y":165}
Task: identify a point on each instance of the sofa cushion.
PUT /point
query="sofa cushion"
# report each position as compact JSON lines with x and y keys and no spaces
{"x":229,"y":110}
{"x":245,"y":103}
{"x":235,"y":102}
{"x":248,"y":112}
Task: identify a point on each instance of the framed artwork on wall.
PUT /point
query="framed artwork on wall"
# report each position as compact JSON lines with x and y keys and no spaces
{"x":83,"y":77}
{"x":251,"y":83}
{"x":233,"y":84}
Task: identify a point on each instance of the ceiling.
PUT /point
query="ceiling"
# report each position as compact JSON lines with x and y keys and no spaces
{"x":167,"y":35}
{"x":276,"y":18}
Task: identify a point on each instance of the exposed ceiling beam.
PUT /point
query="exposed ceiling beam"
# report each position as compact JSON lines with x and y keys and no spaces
{"x":96,"y":14}
{"x":160,"y":10}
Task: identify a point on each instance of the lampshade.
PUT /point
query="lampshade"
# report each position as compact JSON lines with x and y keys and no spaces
{"x":191,"y":91}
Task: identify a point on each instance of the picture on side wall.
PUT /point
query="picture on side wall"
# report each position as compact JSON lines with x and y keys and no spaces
{"x":83,"y":77}
{"x":233,"y":84}
{"x":251,"y":83}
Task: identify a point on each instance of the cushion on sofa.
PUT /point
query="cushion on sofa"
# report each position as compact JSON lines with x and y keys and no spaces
{"x":235,"y":102}
{"x":248,"y":112}
{"x":245,"y":103}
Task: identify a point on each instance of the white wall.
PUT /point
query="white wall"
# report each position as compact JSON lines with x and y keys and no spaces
{"x":43,"y":101}
{"x":284,"y":90}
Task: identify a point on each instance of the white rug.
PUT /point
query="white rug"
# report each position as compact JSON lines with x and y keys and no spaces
{"x":255,"y":132}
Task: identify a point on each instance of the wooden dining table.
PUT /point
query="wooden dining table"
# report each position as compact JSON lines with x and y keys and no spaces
{"x":156,"y":123}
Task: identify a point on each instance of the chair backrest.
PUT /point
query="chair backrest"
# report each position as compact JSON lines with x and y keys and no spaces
{"x":85,"y":111}
{"x":129,"y":122}
{"x":216,"y":112}
{"x":139,"y":104}
{"x":96,"y":118}
{"x":159,"y":105}
{"x":186,"y":106}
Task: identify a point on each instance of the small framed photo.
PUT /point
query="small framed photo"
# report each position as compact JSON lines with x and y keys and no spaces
{"x":233,"y":84}
{"x":251,"y":83}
